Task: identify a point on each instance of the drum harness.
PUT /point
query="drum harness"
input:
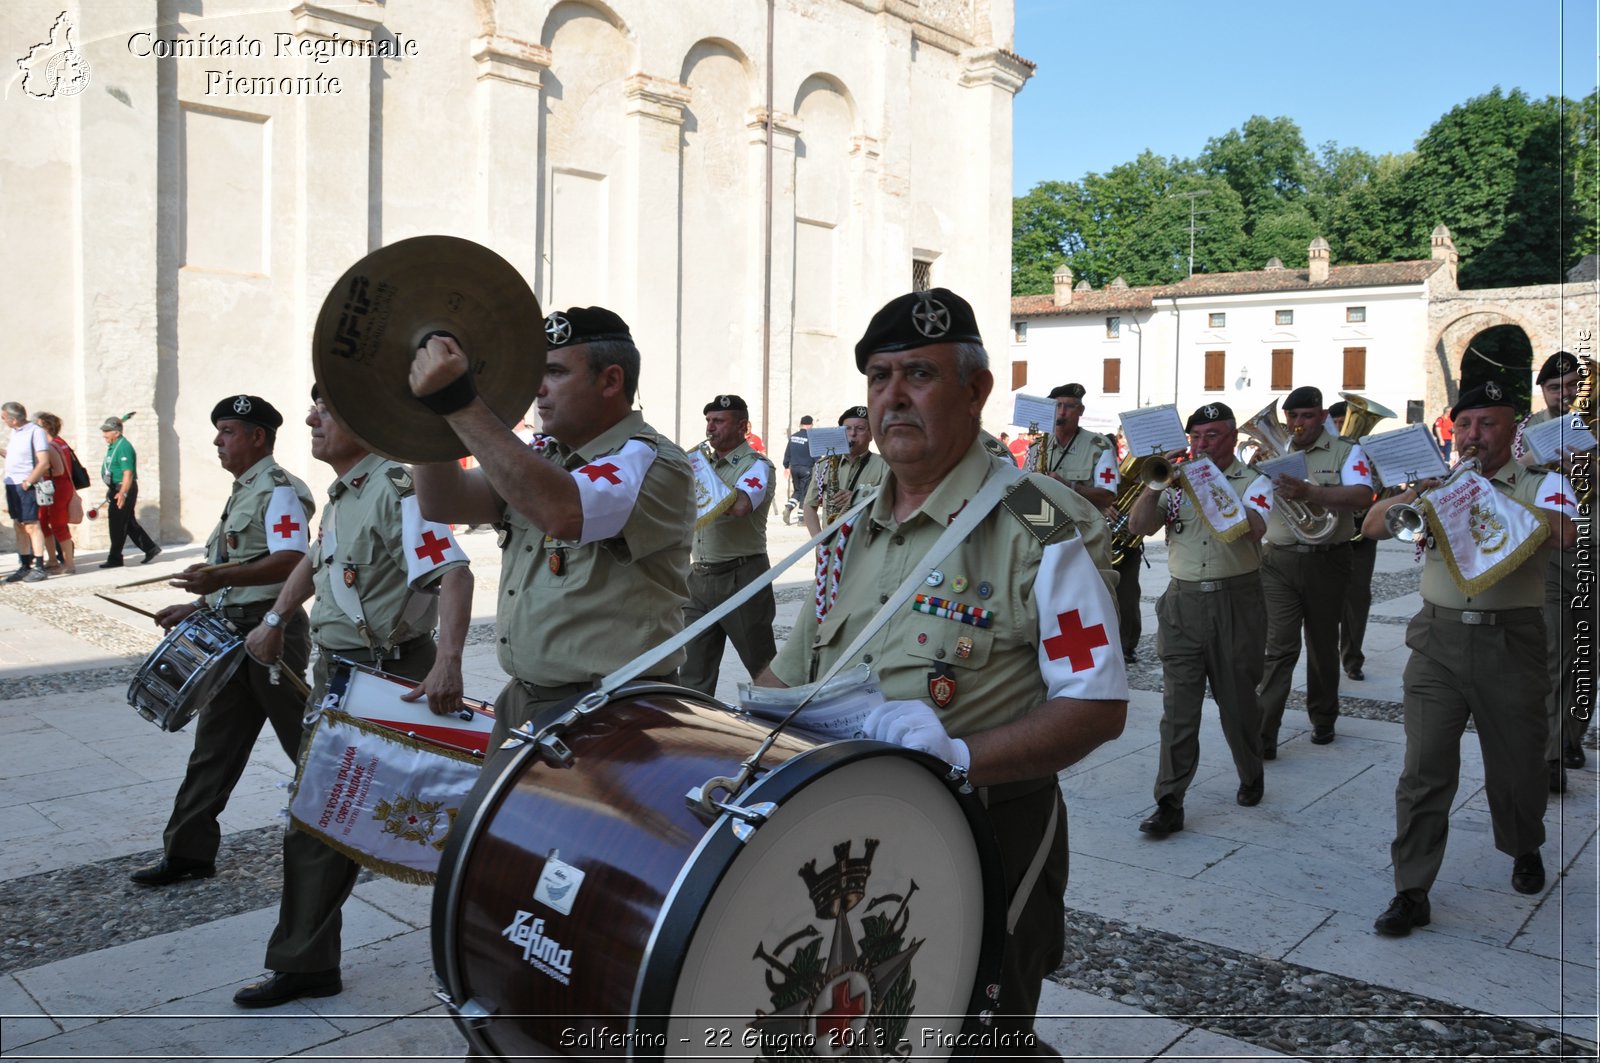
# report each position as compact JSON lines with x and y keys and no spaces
{"x":412,"y":609}
{"x":548,"y":738}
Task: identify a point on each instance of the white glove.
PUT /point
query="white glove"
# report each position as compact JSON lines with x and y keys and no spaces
{"x":916,"y":726}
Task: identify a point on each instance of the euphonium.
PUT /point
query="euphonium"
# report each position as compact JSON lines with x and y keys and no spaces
{"x":1152,"y":471}
{"x":1312,"y":524}
{"x":1405,"y":520}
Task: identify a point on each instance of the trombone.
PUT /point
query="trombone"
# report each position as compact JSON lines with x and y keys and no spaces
{"x":1405,"y":520}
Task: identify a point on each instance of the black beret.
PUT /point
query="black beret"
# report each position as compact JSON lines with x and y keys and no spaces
{"x":918,"y":319}
{"x":251,"y":409}
{"x":1489,"y":393}
{"x":584,"y":324}
{"x":1071,"y":391}
{"x":806,"y":419}
{"x":1211,"y":411}
{"x":726,"y":402}
{"x":854,"y":411}
{"x":1559,"y":364}
{"x":1306,"y":398}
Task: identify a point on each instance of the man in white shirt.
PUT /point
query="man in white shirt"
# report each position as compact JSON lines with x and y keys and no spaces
{"x":27,"y":465}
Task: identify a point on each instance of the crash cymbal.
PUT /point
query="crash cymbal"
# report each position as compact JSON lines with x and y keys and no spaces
{"x":383,"y":309}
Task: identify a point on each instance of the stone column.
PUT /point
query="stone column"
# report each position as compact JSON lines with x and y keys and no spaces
{"x":509,"y":73}
{"x":777,"y":402}
{"x":647,"y":255}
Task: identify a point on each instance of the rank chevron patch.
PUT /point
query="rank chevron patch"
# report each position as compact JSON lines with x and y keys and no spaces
{"x":1044,"y":520}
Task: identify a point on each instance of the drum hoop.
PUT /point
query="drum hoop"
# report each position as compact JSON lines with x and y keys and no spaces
{"x":705,"y":867}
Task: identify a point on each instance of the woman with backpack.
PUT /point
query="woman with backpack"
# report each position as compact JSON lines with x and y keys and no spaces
{"x":69,"y":477}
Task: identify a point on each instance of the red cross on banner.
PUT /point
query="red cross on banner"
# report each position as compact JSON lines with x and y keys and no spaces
{"x":753,"y":482}
{"x":1107,"y":475}
{"x":1261,"y":500}
{"x":1075,"y":642}
{"x":286,"y":527}
{"x":608,"y":470}
{"x":1558,"y":498}
{"x":1361,"y":468}
{"x":433,"y":547}
{"x":834,"y":1023}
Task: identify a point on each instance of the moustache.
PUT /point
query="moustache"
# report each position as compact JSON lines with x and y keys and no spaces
{"x":891,"y":419}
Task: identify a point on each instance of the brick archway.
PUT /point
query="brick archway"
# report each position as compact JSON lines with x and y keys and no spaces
{"x":1450,"y":343}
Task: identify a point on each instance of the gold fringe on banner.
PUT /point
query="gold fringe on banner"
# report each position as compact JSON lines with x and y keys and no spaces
{"x":1502,"y":568}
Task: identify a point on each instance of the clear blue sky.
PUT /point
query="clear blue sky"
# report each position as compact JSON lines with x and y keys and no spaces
{"x":1116,"y":78}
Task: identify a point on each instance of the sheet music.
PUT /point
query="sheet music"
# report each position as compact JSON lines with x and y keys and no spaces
{"x":837,"y":711}
{"x":1405,"y":455}
{"x":1548,"y":439}
{"x":1154,"y":430}
{"x":1292,"y":465}
{"x":825,"y":441}
{"x":1034,"y":413}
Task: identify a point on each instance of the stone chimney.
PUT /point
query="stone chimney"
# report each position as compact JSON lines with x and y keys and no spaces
{"x":1083,"y":286}
{"x":1118,"y":283}
{"x":1320,"y":259}
{"x":1274,"y":264}
{"x":1063,"y":284}
{"x":1444,"y":250}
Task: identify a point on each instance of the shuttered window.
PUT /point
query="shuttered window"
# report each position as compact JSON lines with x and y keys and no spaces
{"x":1111,"y":379}
{"x":1216,"y":363}
{"x":1283,"y":370}
{"x":1355,"y":368}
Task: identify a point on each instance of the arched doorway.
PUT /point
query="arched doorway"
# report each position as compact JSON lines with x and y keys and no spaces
{"x":1504,"y":354}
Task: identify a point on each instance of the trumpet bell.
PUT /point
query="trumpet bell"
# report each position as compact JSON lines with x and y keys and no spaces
{"x":1405,"y":522}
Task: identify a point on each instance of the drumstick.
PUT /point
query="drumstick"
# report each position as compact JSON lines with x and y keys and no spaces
{"x":170,"y":575}
{"x":125,"y":605}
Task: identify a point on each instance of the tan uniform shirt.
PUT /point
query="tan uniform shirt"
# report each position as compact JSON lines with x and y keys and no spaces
{"x":1193,"y":553}
{"x":854,"y":474}
{"x":364,"y":511}
{"x":1523,"y":586}
{"x":728,"y":537}
{"x":1324,"y":465}
{"x":242,"y":534}
{"x":1077,"y":460}
{"x":612,"y":599}
{"x":996,"y":669}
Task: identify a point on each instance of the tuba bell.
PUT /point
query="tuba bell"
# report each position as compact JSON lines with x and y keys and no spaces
{"x":1312,"y":524}
{"x":1361,"y":414}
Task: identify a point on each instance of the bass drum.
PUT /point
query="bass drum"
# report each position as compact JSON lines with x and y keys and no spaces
{"x":853,"y":905}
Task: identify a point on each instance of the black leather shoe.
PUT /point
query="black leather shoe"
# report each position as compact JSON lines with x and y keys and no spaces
{"x":1250,"y":795}
{"x":1527,"y":874}
{"x":116,"y":563}
{"x":1402,"y":914}
{"x":285,"y":986}
{"x":1558,"y":777}
{"x":1166,"y":819}
{"x":151,"y":554}
{"x":169,"y":871}
{"x":1355,"y":673}
{"x":1321,"y":734}
{"x":1572,"y":755}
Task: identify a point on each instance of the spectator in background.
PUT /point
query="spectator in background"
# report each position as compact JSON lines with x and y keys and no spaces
{"x":797,"y":464}
{"x":119,"y":472}
{"x":1019,"y":449}
{"x":27,"y":455}
{"x":1444,"y":433}
{"x":55,"y":518}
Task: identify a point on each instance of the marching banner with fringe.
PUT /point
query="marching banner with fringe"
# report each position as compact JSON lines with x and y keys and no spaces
{"x":711,"y":495}
{"x":1214,"y":498}
{"x":382,"y":798}
{"x":1482,"y":534}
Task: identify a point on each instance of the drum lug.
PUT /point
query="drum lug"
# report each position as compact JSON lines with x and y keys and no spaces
{"x":555,"y":752}
{"x":474,"y":1013}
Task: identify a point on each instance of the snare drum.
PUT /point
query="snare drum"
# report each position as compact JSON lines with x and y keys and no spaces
{"x":849,"y":902}
{"x":192,"y":663}
{"x":374,"y":696}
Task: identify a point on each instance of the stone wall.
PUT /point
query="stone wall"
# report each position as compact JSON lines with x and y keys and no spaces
{"x":1554,"y":317}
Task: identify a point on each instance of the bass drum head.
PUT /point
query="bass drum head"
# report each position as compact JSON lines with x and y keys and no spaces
{"x":861,"y":919}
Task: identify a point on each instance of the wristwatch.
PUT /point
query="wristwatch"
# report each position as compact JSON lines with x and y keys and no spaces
{"x":272,"y":619}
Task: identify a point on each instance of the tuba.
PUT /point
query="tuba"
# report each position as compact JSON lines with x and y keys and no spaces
{"x":1361,"y":414}
{"x":1312,"y":524}
{"x":1153,"y":471}
{"x":1405,"y":520}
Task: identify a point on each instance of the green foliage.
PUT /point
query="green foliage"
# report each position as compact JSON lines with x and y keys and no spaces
{"x":1517,"y":182}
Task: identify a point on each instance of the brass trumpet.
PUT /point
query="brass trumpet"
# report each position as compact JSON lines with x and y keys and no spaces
{"x":1152,"y":471}
{"x":1405,"y":520}
{"x":1312,"y":524}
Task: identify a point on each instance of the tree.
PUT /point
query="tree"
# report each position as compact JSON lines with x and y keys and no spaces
{"x":1493,"y":170}
{"x":1045,"y":229}
{"x":1355,"y":199}
{"x":1583,"y":163}
{"x":1267,"y":163}
{"x":1285,"y":234}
